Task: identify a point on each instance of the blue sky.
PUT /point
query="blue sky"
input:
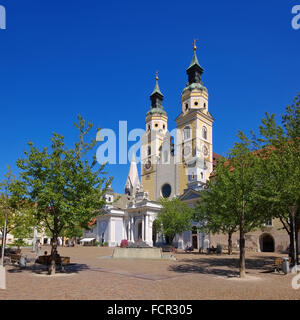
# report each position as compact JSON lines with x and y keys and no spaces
{"x":97,"y":58}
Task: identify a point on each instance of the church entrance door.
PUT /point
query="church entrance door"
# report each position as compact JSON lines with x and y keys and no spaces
{"x":195,"y":238}
{"x":195,"y":241}
{"x":140,"y":231}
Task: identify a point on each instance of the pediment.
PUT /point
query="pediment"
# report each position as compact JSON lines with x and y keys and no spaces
{"x":189,"y":195}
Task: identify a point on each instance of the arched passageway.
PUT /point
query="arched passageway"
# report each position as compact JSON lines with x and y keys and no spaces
{"x":267,"y":243}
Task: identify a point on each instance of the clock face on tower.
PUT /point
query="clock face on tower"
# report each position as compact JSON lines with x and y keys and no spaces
{"x":148,"y":165}
{"x":187,"y":151}
{"x":205,"y":151}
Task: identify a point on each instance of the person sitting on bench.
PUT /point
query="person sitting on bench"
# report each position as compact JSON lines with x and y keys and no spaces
{"x":211,"y":250}
{"x":191,"y":248}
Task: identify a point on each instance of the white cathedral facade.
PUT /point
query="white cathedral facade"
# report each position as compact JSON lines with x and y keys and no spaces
{"x":167,"y":170}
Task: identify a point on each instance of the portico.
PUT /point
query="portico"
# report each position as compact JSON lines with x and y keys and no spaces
{"x":140,"y":217}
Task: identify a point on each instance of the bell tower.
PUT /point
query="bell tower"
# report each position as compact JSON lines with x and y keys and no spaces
{"x":156,"y":129}
{"x":194,"y":132}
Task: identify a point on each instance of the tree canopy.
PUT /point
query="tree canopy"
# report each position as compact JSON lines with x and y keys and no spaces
{"x":279,"y":146}
{"x":175,"y":217}
{"x":66,"y":188}
{"x":259,"y":180}
{"x":19,"y":217}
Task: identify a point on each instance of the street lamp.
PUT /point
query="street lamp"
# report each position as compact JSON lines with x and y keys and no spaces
{"x":4,"y":238}
{"x":293,"y":210}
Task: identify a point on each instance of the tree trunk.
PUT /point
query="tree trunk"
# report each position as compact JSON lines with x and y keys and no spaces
{"x":52,"y":267}
{"x":291,"y":247}
{"x":171,"y":240}
{"x":242,"y":242}
{"x":297,"y":246}
{"x":229,"y":243}
{"x":242,"y":254}
{"x":167,"y":240}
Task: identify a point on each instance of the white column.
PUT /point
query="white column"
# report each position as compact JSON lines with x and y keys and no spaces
{"x":123,"y":229}
{"x":146,"y":228}
{"x":143,"y":228}
{"x":109,"y":231}
{"x":131,"y":229}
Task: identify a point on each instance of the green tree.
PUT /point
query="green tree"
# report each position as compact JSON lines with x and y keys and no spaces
{"x":66,"y":187}
{"x":73,"y":233}
{"x":7,"y":209}
{"x":214,"y":211}
{"x":234,"y":197}
{"x":19,"y":217}
{"x":259,"y":181}
{"x":175,"y":217}
{"x":279,"y":146}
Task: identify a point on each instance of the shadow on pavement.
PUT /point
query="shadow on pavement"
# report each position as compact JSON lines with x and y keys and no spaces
{"x":188,"y":268}
{"x":223,"y":266}
{"x":35,"y":268}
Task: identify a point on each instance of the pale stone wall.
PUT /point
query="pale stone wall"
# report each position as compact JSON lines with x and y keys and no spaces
{"x":254,"y":239}
{"x":137,"y":253}
{"x":166,"y":174}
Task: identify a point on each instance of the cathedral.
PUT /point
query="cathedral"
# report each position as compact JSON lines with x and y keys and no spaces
{"x":172,"y":165}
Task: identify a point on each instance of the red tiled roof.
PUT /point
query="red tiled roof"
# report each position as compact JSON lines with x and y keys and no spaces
{"x":94,"y":221}
{"x":256,"y":152}
{"x":215,"y":157}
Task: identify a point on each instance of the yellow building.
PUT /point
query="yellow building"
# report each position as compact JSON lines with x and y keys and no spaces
{"x":182,"y":167}
{"x":168,"y":168}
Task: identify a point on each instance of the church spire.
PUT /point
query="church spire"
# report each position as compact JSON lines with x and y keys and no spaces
{"x":156,"y":96}
{"x":133,"y":181}
{"x":194,"y":71}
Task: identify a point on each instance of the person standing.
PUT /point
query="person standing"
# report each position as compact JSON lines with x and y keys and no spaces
{"x":38,"y":249}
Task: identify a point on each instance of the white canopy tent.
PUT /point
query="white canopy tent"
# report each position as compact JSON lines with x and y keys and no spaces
{"x":88,"y":241}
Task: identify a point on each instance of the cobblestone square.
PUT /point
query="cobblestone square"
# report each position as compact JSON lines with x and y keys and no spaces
{"x":193,"y":276}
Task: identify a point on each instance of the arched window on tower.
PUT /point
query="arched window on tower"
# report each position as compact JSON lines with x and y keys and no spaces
{"x":204,"y":133}
{"x":186,"y":132}
{"x":149,"y":151}
{"x":166,"y":156}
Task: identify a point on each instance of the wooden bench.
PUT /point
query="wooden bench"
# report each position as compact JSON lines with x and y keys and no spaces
{"x":65,"y":260}
{"x":211,"y":250}
{"x":46,"y":260}
{"x":277,"y":266}
{"x":20,"y":259}
{"x":14,"y":258}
